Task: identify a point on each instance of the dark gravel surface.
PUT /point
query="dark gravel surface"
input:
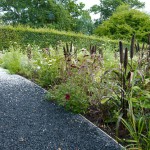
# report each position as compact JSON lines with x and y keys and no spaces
{"x":29,"y":122}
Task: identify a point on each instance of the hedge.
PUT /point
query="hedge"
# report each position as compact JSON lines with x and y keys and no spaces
{"x":45,"y":37}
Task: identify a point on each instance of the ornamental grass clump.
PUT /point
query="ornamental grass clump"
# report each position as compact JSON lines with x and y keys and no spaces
{"x":134,"y":98}
{"x":14,"y":60}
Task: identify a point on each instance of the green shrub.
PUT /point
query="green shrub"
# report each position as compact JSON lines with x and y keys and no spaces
{"x":123,"y":23}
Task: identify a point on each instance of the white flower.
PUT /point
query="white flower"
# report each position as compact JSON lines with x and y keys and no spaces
{"x":38,"y":67}
{"x":50,"y":60}
{"x":83,"y":49}
{"x":39,"y":50}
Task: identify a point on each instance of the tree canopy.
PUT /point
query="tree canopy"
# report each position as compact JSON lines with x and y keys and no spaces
{"x":71,"y":15}
{"x":59,"y":14}
{"x":107,"y":7}
{"x":124,"y":22}
{"x":35,"y":13}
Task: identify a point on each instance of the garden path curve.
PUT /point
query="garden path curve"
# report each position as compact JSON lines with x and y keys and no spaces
{"x":29,"y":122}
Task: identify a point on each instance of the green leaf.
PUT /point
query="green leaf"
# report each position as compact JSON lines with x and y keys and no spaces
{"x":134,"y":99}
{"x":136,"y":88}
{"x":103,"y":101}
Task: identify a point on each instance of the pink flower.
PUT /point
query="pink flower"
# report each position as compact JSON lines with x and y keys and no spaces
{"x":67,"y":96}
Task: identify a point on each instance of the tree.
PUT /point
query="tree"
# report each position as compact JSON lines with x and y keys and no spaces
{"x":72,"y":6}
{"x":84,"y":23}
{"x":35,"y":13}
{"x":124,"y":22}
{"x":81,"y":18}
{"x":58,"y":14}
{"x":107,"y":7}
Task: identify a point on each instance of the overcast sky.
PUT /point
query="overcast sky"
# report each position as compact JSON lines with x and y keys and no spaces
{"x":89,"y":3}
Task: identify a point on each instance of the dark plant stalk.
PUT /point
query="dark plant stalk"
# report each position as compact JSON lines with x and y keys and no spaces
{"x":67,"y":47}
{"x":65,"y":52}
{"x":132,"y":48}
{"x":137,"y":47}
{"x":71,"y":45}
{"x":126,"y":60}
{"x":125,"y":102}
{"x":121,"y":52}
{"x":124,"y":110}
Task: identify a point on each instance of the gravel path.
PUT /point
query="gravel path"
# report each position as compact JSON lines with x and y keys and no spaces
{"x":28,"y":122}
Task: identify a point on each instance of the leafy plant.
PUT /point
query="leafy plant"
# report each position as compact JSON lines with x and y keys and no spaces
{"x":139,"y":130}
{"x":71,"y":96}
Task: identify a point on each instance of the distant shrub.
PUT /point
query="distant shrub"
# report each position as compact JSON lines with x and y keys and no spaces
{"x":125,"y":22}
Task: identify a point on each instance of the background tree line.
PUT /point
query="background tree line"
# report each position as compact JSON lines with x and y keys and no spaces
{"x":58,"y":14}
{"x":70,"y":15}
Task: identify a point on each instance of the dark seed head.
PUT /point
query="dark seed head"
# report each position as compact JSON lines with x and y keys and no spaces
{"x":121,"y":52}
{"x":126,"y":58}
{"x":67,"y":47}
{"x":64,"y":50}
{"x":132,"y":47}
{"x":136,"y":48}
{"x":71,"y":45}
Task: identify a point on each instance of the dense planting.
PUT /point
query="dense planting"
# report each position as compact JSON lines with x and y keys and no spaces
{"x":107,"y":81}
{"x":106,"y":86}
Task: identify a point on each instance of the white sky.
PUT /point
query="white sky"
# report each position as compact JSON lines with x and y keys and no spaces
{"x":89,"y":3}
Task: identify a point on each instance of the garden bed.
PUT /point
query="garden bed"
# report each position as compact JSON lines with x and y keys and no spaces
{"x":109,"y":88}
